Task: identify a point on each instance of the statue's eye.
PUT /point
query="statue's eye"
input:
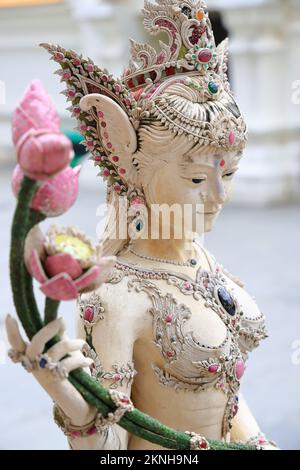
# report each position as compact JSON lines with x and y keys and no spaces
{"x":187,"y":11}
{"x":198,"y":180}
{"x":229,"y":175}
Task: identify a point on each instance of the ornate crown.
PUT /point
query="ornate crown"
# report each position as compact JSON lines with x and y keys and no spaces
{"x":190,"y":57}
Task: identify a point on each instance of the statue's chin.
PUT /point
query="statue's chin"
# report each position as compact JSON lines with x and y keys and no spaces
{"x":209,"y":221}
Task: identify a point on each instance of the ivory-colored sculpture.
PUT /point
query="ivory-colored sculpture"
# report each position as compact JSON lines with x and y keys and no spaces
{"x":171,"y":328}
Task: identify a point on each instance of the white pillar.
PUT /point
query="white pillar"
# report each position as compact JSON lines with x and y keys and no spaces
{"x":265,"y":60}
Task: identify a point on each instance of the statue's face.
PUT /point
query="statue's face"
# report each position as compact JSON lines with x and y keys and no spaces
{"x":202,"y":181}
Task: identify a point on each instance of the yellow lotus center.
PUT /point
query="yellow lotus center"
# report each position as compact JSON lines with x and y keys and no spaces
{"x":75,"y":247}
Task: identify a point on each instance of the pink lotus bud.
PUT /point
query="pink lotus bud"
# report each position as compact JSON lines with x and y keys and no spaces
{"x":42,"y":150}
{"x":54,"y":196}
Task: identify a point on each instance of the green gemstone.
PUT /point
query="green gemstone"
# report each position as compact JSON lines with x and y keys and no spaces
{"x":213,"y":87}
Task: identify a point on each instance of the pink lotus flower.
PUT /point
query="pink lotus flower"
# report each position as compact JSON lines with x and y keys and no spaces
{"x":42,"y":150}
{"x":64,"y":262}
{"x":54,"y":196}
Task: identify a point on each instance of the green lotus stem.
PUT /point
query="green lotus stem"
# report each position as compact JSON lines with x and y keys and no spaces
{"x":51,"y":308}
{"x":93,"y":392}
{"x":19,"y":231}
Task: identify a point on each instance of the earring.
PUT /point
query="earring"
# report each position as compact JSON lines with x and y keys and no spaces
{"x":137,"y":215}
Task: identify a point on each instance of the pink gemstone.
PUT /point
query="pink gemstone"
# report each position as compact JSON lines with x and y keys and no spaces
{"x":92,"y":431}
{"x":169,"y":318}
{"x":97,"y":159}
{"x":239,"y":369}
{"x":90,"y":143}
{"x":103,"y":124}
{"x":117,"y":188}
{"x":262,"y":441}
{"x":90,"y":68}
{"x":106,"y":172}
{"x":169,"y":353}
{"x":104,"y":78}
{"x":88,"y":314}
{"x":231,"y":137}
{"x":66,"y":75}
{"x":213,"y":368}
{"x":76,"y":434}
{"x":100,"y":114}
{"x":122,"y":171}
{"x":76,"y":62}
{"x":109,"y":145}
{"x":59,"y":56}
{"x":137,"y":201}
{"x":188,"y":286}
{"x":106,"y":135}
{"x":117,"y":377}
{"x":83,"y":128}
{"x":118,"y":88}
{"x":205,"y":56}
{"x":115,"y":159}
{"x":127,"y":101}
{"x":77,"y":110}
{"x":71,"y":93}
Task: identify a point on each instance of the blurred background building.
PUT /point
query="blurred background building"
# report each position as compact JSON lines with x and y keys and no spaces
{"x":264,"y":71}
{"x":259,"y":241}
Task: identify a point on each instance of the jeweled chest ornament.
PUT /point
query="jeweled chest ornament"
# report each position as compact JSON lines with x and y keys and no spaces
{"x":91,"y":310}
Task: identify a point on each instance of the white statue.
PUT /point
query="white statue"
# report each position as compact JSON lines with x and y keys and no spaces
{"x":172,"y":329}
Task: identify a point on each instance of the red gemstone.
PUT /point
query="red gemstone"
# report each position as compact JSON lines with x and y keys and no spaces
{"x":203,"y":444}
{"x":103,"y":124}
{"x":100,"y":114}
{"x":130,"y":83}
{"x":213,"y":368}
{"x":205,"y":56}
{"x":117,"y":188}
{"x":89,"y":314}
{"x":222,"y":163}
{"x":76,"y":61}
{"x":141,"y":79}
{"x":125,"y":400}
{"x":115,"y":159}
{"x":235,"y":410}
{"x":109,"y":145}
{"x":106,"y":172}
{"x":169,"y":353}
{"x":170,"y":71}
{"x":122,"y":171}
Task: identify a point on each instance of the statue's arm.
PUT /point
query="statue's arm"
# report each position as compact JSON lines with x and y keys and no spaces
{"x":113,"y":339}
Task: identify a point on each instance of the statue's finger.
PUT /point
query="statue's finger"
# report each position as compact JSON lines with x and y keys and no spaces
{"x":39,"y":341}
{"x":61,"y":349}
{"x":14,"y":336}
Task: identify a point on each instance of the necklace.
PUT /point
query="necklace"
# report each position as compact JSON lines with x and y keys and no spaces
{"x":191,"y":262}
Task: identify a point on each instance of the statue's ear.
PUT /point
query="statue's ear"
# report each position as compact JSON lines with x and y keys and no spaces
{"x":223,"y":56}
{"x":105,"y":110}
{"x":115,"y":129}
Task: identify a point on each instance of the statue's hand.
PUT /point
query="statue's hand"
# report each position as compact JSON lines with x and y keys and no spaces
{"x":52,"y":368}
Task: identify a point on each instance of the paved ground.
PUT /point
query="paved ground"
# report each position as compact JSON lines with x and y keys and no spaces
{"x":261,"y":246}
